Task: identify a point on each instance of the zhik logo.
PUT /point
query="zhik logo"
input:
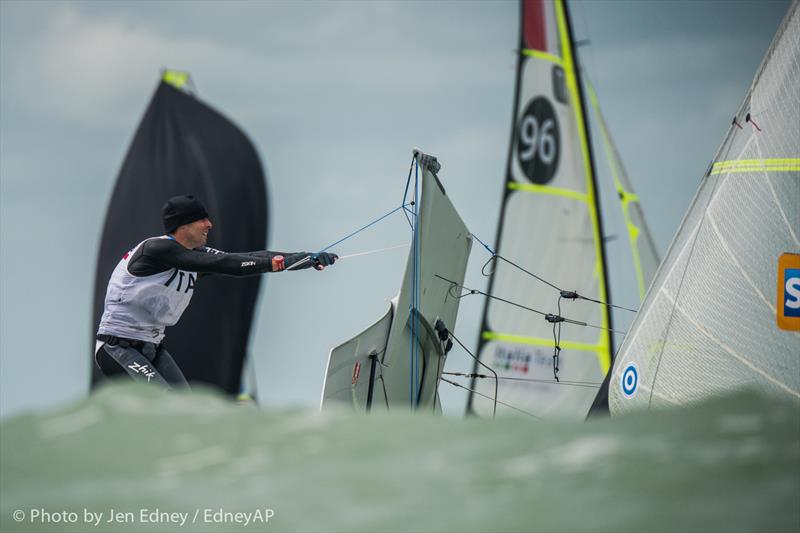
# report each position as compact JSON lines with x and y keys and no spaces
{"x":142,"y":369}
{"x":789,"y":292}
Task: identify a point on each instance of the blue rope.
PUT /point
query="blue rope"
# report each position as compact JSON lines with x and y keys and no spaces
{"x":361,"y":229}
{"x":484,"y":244}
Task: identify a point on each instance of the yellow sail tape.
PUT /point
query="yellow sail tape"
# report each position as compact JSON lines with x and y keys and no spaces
{"x":785,"y":164}
{"x":603,"y":356}
{"x":176,"y":78}
{"x":546,"y":189}
{"x":626,"y":197}
{"x":542,"y":55}
{"x":599,"y":349}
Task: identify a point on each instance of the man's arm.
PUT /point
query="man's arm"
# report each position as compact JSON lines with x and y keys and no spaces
{"x":285,"y":260}
{"x":158,"y":255}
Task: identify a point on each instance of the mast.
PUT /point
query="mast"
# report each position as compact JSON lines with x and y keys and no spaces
{"x":593,"y":175}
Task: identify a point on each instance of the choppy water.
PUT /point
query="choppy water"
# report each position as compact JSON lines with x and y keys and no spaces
{"x":727,"y":465}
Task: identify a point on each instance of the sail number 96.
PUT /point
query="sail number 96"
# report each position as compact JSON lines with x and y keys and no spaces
{"x":529,"y":135}
{"x":538,"y":141}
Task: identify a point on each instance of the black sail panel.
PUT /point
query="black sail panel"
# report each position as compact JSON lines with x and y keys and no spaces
{"x":183,"y":146}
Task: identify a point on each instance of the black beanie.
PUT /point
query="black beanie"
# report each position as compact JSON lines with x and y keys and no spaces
{"x":180,"y":210}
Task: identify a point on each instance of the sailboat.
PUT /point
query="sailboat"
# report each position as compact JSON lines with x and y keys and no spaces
{"x":181,"y":146}
{"x":398,"y":360}
{"x":551,"y":222}
{"x":551,"y":225}
{"x":723,"y":311}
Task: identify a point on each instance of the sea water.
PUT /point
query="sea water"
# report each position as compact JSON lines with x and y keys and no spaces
{"x":137,"y":458}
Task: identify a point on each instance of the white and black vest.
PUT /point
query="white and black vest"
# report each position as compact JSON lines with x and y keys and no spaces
{"x":140,"y":307}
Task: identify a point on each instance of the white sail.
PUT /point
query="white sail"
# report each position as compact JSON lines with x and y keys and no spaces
{"x":720,"y":312}
{"x":400,"y":357}
{"x":549,"y":225}
{"x":643,"y":248}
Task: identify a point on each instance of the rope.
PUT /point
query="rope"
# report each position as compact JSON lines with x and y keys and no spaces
{"x":459,"y":385}
{"x":313,"y":256}
{"x":490,"y":369}
{"x":556,"y":342}
{"x":548,"y":316}
{"x":483,"y":243}
{"x":379,"y":250}
{"x":564,"y":293}
{"x":587,"y":384}
{"x":405,"y":193}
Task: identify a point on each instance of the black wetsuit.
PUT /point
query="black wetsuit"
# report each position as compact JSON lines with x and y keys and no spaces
{"x":149,"y":290}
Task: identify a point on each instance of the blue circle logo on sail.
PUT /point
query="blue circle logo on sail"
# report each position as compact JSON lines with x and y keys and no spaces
{"x":629,"y":381}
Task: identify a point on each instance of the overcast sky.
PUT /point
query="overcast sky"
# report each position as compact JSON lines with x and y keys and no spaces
{"x":334,"y":95}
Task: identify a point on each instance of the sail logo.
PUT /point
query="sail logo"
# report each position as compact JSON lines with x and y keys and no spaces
{"x":791,"y":294}
{"x":788,"y":292}
{"x":629,"y":381}
{"x":538,"y":141}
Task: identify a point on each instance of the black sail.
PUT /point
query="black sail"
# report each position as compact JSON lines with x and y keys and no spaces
{"x":183,"y":146}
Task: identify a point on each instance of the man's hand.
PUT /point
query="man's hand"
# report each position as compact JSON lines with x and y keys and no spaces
{"x":323,"y":259}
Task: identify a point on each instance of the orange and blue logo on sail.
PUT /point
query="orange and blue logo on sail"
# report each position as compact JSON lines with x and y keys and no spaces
{"x":789,"y":292}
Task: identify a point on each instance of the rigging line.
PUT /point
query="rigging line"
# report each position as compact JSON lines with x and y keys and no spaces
{"x":572,"y":295}
{"x":363,"y":228}
{"x":484,"y":365}
{"x":495,"y":255}
{"x":311,"y":256}
{"x":483,"y":243}
{"x":408,"y":179}
{"x":615,"y":306}
{"x":459,"y":385}
{"x":548,"y":316}
{"x":476,"y":291}
{"x":405,"y":213}
{"x":373,"y":251}
{"x":527,"y":272}
{"x":587,"y":384}
{"x":405,"y":192}
{"x":383,"y":384}
{"x":556,"y":342}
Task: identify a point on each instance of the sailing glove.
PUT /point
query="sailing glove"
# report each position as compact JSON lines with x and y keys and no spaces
{"x":323,"y":259}
{"x":318,"y":261}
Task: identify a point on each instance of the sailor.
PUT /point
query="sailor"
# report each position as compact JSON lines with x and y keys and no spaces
{"x":154,"y":282}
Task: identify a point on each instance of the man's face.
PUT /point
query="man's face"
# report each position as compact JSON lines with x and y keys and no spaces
{"x":196,"y":233}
